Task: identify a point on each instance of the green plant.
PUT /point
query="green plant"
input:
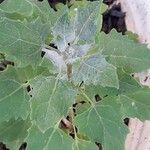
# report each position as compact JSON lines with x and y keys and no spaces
{"x":88,"y":72}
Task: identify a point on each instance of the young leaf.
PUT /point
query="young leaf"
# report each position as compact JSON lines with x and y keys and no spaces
{"x":63,"y":32}
{"x":95,"y":70}
{"x":56,"y":59}
{"x":76,"y":52}
{"x":14,"y":100}
{"x":47,"y":66}
{"x":51,"y":100}
{"x":20,"y":43}
{"x":71,"y":30}
{"x":86,"y":21}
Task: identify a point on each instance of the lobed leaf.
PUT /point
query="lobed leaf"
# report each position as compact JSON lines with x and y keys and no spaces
{"x":13,"y":132}
{"x":45,"y":13}
{"x":102,"y":124}
{"x":127,"y":83}
{"x":51,"y":101}
{"x":125,"y":53}
{"x":136,"y":104}
{"x":20,"y":43}
{"x":63,"y":32}
{"x":54,"y":138}
{"x":95,"y":70}
{"x":23,"y":7}
{"x":86,"y":22}
{"x":14,"y":100}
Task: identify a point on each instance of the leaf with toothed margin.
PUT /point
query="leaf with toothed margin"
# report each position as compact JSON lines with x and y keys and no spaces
{"x":23,"y":7}
{"x":51,"y":100}
{"x":136,"y":104}
{"x":127,"y":83}
{"x":102,"y":124}
{"x":95,"y":70}
{"x":63,"y":32}
{"x":81,"y":27}
{"x":14,"y":99}
{"x":124,"y":53}
{"x":42,"y":10}
{"x":86,"y":21}
{"x":14,"y":132}
{"x":20,"y":43}
{"x":93,"y":59}
{"x":56,"y":139}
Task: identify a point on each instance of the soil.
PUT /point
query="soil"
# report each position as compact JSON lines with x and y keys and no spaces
{"x":113,"y":17}
{"x":3,"y":146}
{"x":23,"y":146}
{"x":1,"y":1}
{"x":126,"y":121}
